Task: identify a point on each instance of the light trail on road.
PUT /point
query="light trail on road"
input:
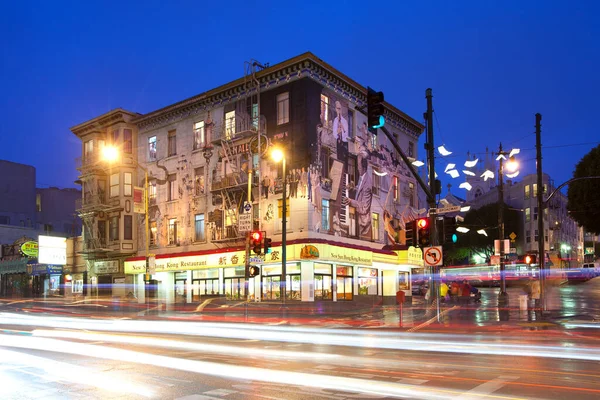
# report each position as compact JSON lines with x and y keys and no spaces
{"x":351,"y":338}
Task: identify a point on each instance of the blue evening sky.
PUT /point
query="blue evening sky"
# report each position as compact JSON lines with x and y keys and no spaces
{"x":491,"y":64}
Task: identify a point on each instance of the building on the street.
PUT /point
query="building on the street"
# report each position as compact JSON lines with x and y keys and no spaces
{"x":562,"y":236}
{"x":208,"y":161}
{"x":55,"y":209}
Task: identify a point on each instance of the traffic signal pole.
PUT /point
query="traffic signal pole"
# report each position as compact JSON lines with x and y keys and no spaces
{"x":434,"y":291}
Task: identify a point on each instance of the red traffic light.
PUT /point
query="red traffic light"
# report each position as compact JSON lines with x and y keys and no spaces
{"x":256,"y":236}
{"x":422,"y":223}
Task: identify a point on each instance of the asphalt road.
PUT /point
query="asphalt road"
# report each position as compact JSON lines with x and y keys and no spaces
{"x":49,"y":357}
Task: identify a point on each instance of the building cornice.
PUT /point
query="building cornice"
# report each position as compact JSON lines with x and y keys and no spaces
{"x":99,"y":123}
{"x":304,"y":65}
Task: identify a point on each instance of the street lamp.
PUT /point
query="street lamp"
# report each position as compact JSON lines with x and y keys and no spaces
{"x":511,"y":166}
{"x":111,"y":154}
{"x":278,"y":155}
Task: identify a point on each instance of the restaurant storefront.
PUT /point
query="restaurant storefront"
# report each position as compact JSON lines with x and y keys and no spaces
{"x":314,"y":272}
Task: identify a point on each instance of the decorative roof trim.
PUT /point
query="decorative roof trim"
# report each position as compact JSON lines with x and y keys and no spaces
{"x":305,"y":65}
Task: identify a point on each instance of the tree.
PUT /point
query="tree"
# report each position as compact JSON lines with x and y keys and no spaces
{"x":583,"y":196}
{"x":473,"y":243}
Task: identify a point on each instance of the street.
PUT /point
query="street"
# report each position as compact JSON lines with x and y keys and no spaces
{"x":52,"y":356}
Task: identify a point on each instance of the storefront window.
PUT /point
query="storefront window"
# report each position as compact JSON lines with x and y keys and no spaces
{"x":205,"y":282}
{"x":293,"y":282}
{"x":271,"y":282}
{"x":403,"y":282}
{"x":323,"y":282}
{"x":234,"y":283}
{"x":367,"y":281}
{"x":344,"y":283}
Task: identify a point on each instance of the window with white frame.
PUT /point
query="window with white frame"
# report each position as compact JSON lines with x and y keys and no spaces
{"x":172,"y":144}
{"x":114,"y":185}
{"x":152,"y":148}
{"x":172,"y":231}
{"x":199,"y":235}
{"x":127,"y":185}
{"x":199,"y":135}
{"x":283,"y":108}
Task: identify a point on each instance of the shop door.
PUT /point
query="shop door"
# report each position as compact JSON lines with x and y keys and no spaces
{"x":151,"y":290}
{"x":180,"y":291}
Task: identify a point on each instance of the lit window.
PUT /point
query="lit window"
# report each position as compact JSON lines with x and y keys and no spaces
{"x":527,"y":192}
{"x":375,"y":226}
{"x":199,"y":181}
{"x":324,"y":109}
{"x":534,"y":189}
{"x":527,"y":214}
{"x":153,"y":231}
{"x":172,"y":145}
{"x":283,"y":108}
{"x":229,"y":124}
{"x":199,"y":135}
{"x":173,"y":231}
{"x":88,"y":149}
{"x":152,"y":148}
{"x":152,"y":191}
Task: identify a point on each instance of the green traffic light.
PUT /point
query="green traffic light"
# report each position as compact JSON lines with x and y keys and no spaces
{"x":454,"y":238}
{"x":381,"y":123}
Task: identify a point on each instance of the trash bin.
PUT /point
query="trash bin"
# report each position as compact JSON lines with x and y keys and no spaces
{"x":523,"y":302}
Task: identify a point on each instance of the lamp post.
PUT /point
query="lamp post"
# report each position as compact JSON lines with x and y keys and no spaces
{"x":511,"y":165}
{"x":111,"y":154}
{"x":278,"y":155}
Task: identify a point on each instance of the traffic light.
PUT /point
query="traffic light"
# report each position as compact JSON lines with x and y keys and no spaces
{"x":256,"y":241}
{"x":267,"y":245}
{"x":450,"y":230}
{"x":375,"y":110}
{"x":530,"y":259}
{"x":253,"y":271}
{"x":423,"y":232}
{"x":410,"y":232}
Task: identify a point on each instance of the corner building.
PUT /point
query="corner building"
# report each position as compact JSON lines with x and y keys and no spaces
{"x":348,"y":192}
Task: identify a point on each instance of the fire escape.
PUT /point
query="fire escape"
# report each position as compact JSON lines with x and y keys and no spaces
{"x":94,"y":207}
{"x":237,"y":142}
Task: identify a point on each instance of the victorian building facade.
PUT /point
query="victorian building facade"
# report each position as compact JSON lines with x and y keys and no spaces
{"x":208,"y":162}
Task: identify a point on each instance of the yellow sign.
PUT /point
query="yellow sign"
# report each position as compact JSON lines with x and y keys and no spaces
{"x":309,"y":251}
{"x":412,"y":256}
{"x":30,"y":249}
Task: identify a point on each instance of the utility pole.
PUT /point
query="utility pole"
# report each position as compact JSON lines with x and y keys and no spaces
{"x":431,"y":197}
{"x":540,"y":203}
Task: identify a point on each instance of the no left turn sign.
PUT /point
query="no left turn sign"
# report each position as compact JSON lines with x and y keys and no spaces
{"x":433,"y":256}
